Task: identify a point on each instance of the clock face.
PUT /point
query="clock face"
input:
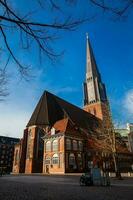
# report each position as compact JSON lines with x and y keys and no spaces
{"x":91,"y":91}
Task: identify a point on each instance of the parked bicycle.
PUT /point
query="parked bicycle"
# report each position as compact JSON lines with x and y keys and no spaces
{"x":86,"y":180}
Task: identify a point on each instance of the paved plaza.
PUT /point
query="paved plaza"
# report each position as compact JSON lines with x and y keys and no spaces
{"x":53,"y":187}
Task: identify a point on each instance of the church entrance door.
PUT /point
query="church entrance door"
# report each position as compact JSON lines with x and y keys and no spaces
{"x":47,"y":169}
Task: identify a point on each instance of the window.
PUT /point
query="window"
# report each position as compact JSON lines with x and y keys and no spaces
{"x":80,"y":160}
{"x":72,"y":163}
{"x":61,"y":160}
{"x":48,"y":146}
{"x":94,"y":111}
{"x":53,"y":131}
{"x":3,"y":152}
{"x":55,"y":159}
{"x":55,"y":145}
{"x":47,"y":160}
{"x":16,"y":157}
{"x":29,"y":145}
{"x":68,"y":144}
{"x":75,"y":146}
{"x":80,"y":146}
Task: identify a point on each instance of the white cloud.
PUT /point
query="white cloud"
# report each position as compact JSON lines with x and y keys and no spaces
{"x":67,"y":89}
{"x":12,"y":123}
{"x":15,"y":112}
{"x":128,"y":102}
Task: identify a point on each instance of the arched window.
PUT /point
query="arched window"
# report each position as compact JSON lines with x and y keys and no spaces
{"x":68,"y":144}
{"x":30,"y":145}
{"x":80,"y":146}
{"x":55,"y":159}
{"x":52,"y":131}
{"x":55,"y":145}
{"x":47,"y":160}
{"x":75,"y":146}
{"x":72,"y":160}
{"x":48,"y":146}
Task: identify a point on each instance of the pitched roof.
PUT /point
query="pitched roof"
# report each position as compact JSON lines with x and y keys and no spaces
{"x":51,"y":108}
{"x":61,"y":125}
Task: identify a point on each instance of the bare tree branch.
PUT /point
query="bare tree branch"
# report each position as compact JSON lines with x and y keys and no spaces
{"x":33,"y":32}
{"x":117,"y":10}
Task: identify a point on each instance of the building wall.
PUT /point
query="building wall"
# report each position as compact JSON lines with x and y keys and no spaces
{"x":101,"y":111}
{"x":74,"y":154}
{"x":130,"y":140}
{"x":34,"y":152}
{"x":30,"y":153}
{"x":16,"y":160}
{"x":7,"y":153}
{"x":20,"y":154}
{"x":23,"y":151}
{"x":53,"y":159}
{"x":70,"y":152}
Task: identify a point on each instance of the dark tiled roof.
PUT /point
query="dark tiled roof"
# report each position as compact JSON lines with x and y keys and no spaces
{"x":51,"y":108}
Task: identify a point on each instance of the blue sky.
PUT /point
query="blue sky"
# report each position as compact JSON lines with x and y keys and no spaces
{"x":112,"y":43}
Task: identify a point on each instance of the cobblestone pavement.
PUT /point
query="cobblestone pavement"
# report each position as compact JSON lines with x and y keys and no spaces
{"x":61,"y":188}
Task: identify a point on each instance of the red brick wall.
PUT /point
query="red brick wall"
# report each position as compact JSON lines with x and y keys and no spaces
{"x":100,"y":110}
{"x":55,"y":168}
{"x":33,"y":163}
{"x":30,"y":150}
{"x":16,"y":163}
{"x":23,"y":151}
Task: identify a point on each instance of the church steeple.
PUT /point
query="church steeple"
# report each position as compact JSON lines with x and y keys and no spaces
{"x":94,"y":89}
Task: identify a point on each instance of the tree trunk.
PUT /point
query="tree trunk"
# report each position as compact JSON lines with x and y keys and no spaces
{"x":117,"y":171}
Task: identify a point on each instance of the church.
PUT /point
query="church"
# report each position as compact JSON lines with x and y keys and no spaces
{"x":60,"y":137}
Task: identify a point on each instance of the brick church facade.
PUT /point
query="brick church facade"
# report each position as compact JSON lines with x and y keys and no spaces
{"x":58,"y":136}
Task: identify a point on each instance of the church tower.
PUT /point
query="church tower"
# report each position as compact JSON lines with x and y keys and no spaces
{"x":95,"y":97}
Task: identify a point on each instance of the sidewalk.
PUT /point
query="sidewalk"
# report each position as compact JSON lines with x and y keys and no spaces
{"x":126,"y":181}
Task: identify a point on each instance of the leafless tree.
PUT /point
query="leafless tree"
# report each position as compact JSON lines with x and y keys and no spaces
{"x":120,"y":8}
{"x":28,"y":32}
{"x":112,"y":142}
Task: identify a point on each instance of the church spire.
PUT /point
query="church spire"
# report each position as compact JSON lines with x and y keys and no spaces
{"x":91,"y":67}
{"x":94,"y":89}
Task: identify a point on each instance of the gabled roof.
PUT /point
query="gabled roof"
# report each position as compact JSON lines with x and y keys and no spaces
{"x":61,"y":125}
{"x":51,"y":108}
